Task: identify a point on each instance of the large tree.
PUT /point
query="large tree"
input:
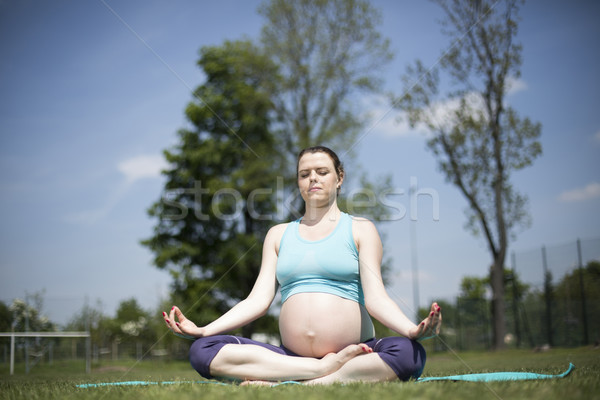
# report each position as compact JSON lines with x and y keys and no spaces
{"x":220,"y":195}
{"x":327,"y":51}
{"x":258,"y":107}
{"x":478,"y":139}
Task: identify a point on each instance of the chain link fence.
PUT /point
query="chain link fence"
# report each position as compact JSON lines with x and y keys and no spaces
{"x":563,"y":301}
{"x":552,"y":299}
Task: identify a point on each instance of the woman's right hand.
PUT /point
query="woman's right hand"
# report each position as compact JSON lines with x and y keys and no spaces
{"x":181,"y":326}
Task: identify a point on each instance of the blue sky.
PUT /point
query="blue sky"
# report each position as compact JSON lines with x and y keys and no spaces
{"x":91,"y":92}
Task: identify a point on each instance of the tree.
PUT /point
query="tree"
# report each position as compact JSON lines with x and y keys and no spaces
{"x":92,"y":319}
{"x":473,"y":310}
{"x":256,"y":110}
{"x":219,"y":196}
{"x":27,"y":315}
{"x":6,"y":318}
{"x":474,"y":306}
{"x":131,"y":324}
{"x":576,"y":301}
{"x":326,"y":51}
{"x":477,"y":138}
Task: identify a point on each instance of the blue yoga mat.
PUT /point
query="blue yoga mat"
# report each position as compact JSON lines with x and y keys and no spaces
{"x":143,"y":383}
{"x":484,"y":377}
{"x":497,"y":376}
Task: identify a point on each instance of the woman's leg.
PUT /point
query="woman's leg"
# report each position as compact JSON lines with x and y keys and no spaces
{"x":365,"y":368}
{"x":393,"y":358}
{"x":238,"y":358}
{"x":252,"y":362}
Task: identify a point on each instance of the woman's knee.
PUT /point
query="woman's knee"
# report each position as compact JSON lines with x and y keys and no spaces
{"x":406,"y":357}
{"x":204,"y":350}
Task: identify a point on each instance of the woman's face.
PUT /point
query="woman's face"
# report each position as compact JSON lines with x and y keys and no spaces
{"x":317,"y":178}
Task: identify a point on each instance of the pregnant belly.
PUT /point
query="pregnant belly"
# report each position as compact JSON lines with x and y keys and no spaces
{"x":315,"y":324}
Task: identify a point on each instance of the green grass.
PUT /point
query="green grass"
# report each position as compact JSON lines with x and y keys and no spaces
{"x":59,"y":381}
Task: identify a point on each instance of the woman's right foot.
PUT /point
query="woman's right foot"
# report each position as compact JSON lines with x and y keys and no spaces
{"x":334,"y":361}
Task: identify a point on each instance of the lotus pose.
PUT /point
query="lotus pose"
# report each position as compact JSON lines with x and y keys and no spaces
{"x":328,"y":267}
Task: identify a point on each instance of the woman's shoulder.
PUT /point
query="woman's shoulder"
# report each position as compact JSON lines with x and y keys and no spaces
{"x":363,"y":228}
{"x":275,"y":234}
{"x":278,"y":230}
{"x":361,"y":221}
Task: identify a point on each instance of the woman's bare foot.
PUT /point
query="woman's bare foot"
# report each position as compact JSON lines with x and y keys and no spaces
{"x":331,"y":362}
{"x":334,"y":361}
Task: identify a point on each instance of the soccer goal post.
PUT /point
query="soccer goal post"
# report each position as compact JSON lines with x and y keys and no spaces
{"x":86,"y":335}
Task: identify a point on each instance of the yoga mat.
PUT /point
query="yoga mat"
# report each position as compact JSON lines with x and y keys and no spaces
{"x":482,"y":377}
{"x":497,"y":376}
{"x":143,"y":383}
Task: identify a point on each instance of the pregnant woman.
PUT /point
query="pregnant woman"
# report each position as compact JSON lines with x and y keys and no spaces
{"x":328,"y":267}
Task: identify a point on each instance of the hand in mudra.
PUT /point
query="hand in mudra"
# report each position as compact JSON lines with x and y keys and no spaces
{"x":181,"y":326}
{"x":430,"y":326}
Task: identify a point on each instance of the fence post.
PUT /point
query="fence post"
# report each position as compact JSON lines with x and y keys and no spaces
{"x":515,"y":299}
{"x":582,"y":290}
{"x":12,"y":354}
{"x":548,"y":297}
{"x":458,"y":325}
{"x":88,"y":353}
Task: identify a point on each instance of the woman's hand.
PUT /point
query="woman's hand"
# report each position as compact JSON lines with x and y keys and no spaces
{"x":430,"y":326}
{"x":181,"y":326}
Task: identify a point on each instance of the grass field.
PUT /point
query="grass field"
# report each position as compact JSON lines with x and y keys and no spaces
{"x":58,"y":381}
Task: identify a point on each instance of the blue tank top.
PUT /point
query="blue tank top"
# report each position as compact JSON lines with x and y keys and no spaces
{"x":329,"y":265}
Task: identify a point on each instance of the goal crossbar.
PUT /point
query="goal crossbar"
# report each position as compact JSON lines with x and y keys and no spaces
{"x":14,"y":335}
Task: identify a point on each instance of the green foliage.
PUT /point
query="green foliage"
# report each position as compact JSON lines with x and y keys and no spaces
{"x":6,"y":318}
{"x":473,"y":288}
{"x":220,"y":190}
{"x":27,"y":315}
{"x":575,"y":303}
{"x":131,"y":325}
{"x":557,"y":314}
{"x":219,"y":197}
{"x":469,"y":322}
{"x":581,"y":282}
{"x":257,"y":108}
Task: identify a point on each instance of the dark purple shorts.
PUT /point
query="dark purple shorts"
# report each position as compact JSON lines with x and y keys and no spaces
{"x":406,"y":357}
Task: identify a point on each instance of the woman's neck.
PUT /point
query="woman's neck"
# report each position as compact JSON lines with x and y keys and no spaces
{"x":314,"y":215}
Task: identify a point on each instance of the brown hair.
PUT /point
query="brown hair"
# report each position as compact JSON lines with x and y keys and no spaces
{"x":337,"y":164}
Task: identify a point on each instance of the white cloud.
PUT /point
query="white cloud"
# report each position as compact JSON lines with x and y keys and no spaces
{"x":514,"y":85}
{"x":588,"y":192}
{"x":140,"y":167}
{"x":388,"y":121}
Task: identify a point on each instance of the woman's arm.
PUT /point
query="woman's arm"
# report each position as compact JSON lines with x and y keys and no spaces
{"x":377,"y":300}
{"x":254,"y":306}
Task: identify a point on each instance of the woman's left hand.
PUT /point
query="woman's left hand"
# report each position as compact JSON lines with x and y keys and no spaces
{"x":430,"y":326}
{"x":181,"y":326}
